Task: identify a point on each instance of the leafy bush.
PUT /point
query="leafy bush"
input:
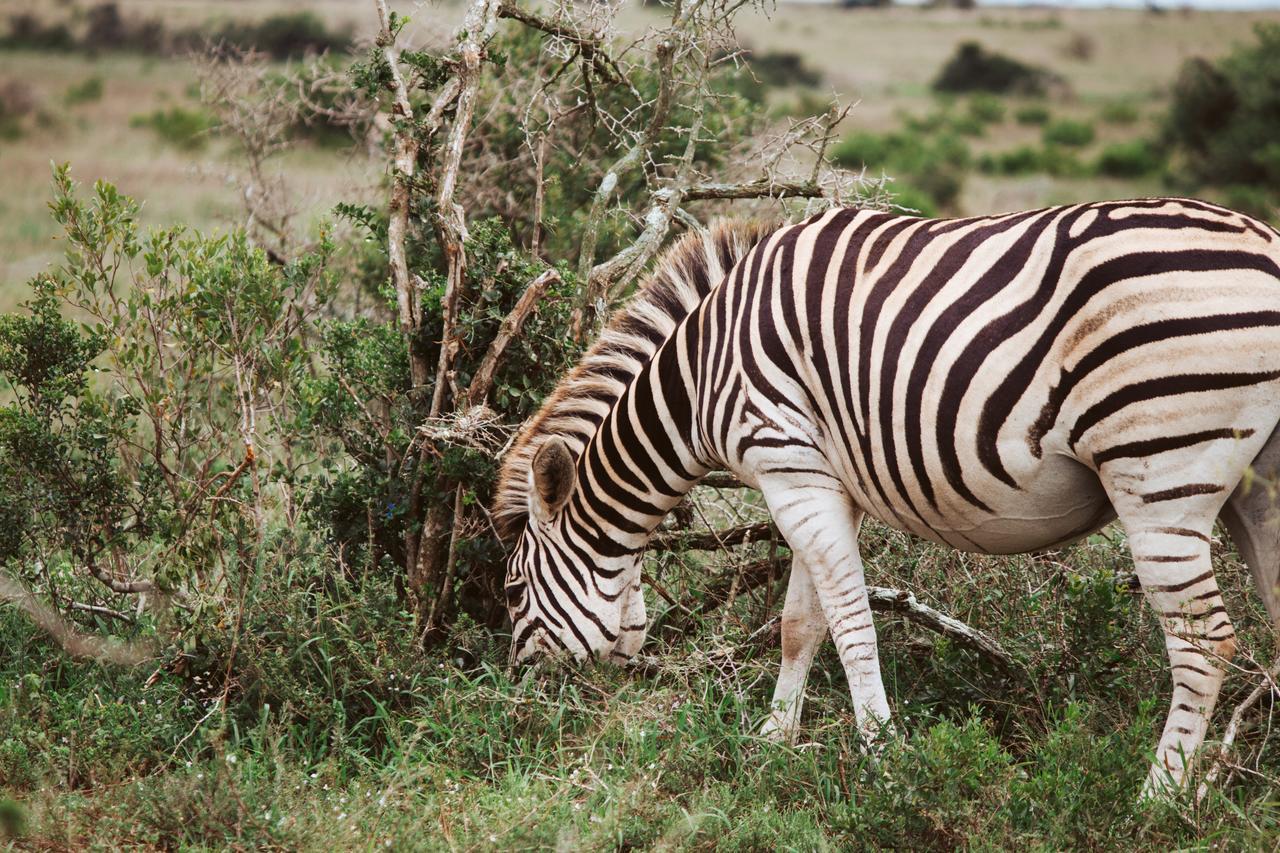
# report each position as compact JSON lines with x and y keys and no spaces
{"x":1134,"y":159}
{"x":778,"y":68}
{"x":974,"y":69}
{"x":179,"y":126}
{"x":1032,"y":114}
{"x":1065,"y":131}
{"x":1225,"y":117}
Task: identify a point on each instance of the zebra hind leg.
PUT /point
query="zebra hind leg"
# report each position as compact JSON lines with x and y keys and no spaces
{"x":1171,"y":556}
{"x":803,"y":628}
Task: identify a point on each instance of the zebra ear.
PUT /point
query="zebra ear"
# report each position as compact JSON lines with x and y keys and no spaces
{"x":551,"y":477}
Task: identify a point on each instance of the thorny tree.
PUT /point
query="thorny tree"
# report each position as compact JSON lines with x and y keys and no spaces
{"x":592,"y":152}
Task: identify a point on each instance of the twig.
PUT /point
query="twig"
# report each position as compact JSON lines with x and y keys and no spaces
{"x":510,"y":328}
{"x":716,"y":539}
{"x":406,"y":154}
{"x":1268,"y":685}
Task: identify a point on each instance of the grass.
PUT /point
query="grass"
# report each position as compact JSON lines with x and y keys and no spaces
{"x":335,"y":732}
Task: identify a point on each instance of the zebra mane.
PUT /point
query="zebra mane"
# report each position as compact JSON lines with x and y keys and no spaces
{"x":683,"y":277}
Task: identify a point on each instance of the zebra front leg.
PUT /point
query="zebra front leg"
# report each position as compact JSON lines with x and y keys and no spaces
{"x":803,"y":628}
{"x":816,"y":516}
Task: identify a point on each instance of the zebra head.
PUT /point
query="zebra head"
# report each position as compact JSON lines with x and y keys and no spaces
{"x":563,"y":595}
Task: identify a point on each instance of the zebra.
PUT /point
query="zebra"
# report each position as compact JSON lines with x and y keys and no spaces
{"x":999,"y":384}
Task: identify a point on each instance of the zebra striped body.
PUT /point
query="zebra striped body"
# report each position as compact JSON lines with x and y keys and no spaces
{"x":1001,"y":384}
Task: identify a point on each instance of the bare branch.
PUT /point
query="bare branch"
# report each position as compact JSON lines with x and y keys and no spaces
{"x":404,"y":159}
{"x":477,"y":28}
{"x":510,"y":328}
{"x":764,"y":187}
{"x":72,"y":641}
{"x":715,"y":540}
{"x":904,"y":603}
{"x":1267,"y":686}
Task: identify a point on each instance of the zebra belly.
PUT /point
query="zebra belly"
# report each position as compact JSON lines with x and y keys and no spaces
{"x":1060,"y":501}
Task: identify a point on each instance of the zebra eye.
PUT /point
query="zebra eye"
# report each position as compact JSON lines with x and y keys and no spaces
{"x":514,"y":592}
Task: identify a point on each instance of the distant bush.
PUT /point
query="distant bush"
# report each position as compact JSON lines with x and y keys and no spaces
{"x":1069,"y":132}
{"x":1029,"y":160}
{"x":1080,"y":47}
{"x":179,"y":126}
{"x":106,"y":28}
{"x":974,"y":69}
{"x":1133,"y":159}
{"x":286,"y":36}
{"x":1119,"y":112}
{"x":987,"y":108}
{"x":1032,"y":114}
{"x":85,"y":92}
{"x":968,"y":125}
{"x":781,"y":68}
{"x":1225,"y":118}
{"x":27,"y":30}
{"x":17,"y":101}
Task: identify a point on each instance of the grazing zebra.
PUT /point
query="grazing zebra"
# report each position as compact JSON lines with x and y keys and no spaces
{"x":999,"y":384}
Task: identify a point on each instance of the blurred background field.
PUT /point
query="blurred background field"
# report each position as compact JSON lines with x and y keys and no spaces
{"x":131,"y":113}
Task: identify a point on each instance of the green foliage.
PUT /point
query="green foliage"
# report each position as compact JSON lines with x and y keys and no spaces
{"x":974,"y":69}
{"x":932,"y":165}
{"x":1065,"y":131}
{"x":86,"y":91}
{"x":197,"y":338}
{"x":1033,"y":114}
{"x":1225,"y":117}
{"x":1133,"y":159}
{"x":987,"y":108}
{"x":184,"y":128}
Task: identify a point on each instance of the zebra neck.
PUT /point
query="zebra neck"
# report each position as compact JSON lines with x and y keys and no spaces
{"x":644,"y":457}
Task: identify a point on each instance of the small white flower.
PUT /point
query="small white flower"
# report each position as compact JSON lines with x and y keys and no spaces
{"x":231,"y":759}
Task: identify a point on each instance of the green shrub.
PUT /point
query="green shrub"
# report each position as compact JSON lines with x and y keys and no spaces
{"x":1119,"y":112}
{"x":84,"y":92}
{"x":987,"y":108}
{"x":1065,"y":131}
{"x":974,"y":69}
{"x":185,"y":128}
{"x":1033,"y":114}
{"x":1133,"y":159}
{"x":1225,"y":117}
